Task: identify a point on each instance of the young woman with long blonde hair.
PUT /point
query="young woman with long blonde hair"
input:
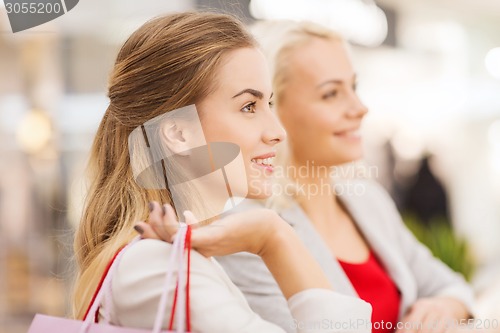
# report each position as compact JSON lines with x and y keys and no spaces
{"x":211,"y":62}
{"x":350,"y":225}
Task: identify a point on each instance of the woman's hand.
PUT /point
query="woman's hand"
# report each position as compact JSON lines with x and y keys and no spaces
{"x":161,"y":224}
{"x":252,"y":231}
{"x":434,"y":315}
{"x":260,"y":231}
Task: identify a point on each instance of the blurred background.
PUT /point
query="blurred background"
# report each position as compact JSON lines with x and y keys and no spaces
{"x":429,"y":71}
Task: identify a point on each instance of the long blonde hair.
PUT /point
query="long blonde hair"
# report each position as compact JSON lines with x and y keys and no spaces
{"x":169,"y":62}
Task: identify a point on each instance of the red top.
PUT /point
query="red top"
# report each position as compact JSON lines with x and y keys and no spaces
{"x":376,"y":287}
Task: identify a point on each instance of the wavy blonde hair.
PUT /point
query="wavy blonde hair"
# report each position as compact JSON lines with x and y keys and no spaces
{"x":169,"y":62}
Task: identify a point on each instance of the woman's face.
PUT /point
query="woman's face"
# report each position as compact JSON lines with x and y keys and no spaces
{"x":319,"y":107}
{"x":238,"y":111}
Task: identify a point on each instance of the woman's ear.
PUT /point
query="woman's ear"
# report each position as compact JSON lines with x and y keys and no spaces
{"x":173,"y":134}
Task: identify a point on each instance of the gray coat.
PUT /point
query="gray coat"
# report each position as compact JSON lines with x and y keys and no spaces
{"x":411,"y":265}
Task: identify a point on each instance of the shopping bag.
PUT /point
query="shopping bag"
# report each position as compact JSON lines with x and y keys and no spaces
{"x":180,"y":309}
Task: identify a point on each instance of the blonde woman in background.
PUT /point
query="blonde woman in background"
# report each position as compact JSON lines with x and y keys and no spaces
{"x":352,"y":228}
{"x":212,"y":62}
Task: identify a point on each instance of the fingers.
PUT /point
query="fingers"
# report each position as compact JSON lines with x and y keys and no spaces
{"x":413,"y":321}
{"x":163,"y":221}
{"x":161,"y":224}
{"x":423,"y":317}
{"x":146,"y":231}
{"x":155,"y":213}
{"x":433,"y":323}
{"x":231,"y":234}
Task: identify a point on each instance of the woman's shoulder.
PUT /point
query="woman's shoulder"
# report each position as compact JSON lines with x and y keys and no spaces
{"x":146,"y":247}
{"x":145,"y":260}
{"x":151,"y":255}
{"x":140,"y":278}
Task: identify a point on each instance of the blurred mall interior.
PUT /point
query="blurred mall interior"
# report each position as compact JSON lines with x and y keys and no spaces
{"x":429,"y":71}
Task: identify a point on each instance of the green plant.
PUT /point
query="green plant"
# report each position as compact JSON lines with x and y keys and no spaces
{"x":439,"y":237}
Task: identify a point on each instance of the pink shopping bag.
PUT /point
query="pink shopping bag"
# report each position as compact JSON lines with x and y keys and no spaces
{"x":48,"y":324}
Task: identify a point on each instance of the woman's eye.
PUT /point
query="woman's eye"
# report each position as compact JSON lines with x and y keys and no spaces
{"x":330,"y":94}
{"x":249,"y":108}
{"x":271,"y":104}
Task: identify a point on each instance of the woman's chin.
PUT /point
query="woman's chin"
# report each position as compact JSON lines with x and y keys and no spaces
{"x":260,"y":189}
{"x":347,"y":157}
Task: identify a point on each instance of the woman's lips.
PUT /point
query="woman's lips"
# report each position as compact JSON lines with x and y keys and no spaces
{"x":266,"y":163}
{"x":349,"y":134}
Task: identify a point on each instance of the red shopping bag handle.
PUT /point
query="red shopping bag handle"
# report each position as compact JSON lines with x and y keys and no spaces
{"x":99,"y":286}
{"x":187,"y":246}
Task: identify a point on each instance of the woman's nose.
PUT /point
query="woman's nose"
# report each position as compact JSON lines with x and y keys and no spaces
{"x":357,"y":108}
{"x":274,"y":133}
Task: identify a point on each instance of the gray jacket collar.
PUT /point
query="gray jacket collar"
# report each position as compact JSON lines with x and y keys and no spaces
{"x":366,"y":215}
{"x":370,"y":219}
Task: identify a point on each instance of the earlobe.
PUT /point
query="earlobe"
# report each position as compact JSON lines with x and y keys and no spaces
{"x":173,"y":136}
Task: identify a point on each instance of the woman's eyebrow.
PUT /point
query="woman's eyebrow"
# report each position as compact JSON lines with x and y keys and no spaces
{"x":336,"y":81}
{"x":253,"y":92}
{"x":328,"y":82}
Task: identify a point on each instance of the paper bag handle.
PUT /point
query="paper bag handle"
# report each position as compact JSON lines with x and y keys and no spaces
{"x":181,"y":242}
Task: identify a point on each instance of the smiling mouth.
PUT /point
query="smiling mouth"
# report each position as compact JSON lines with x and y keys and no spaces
{"x":349,"y":134}
{"x":266,"y":163}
